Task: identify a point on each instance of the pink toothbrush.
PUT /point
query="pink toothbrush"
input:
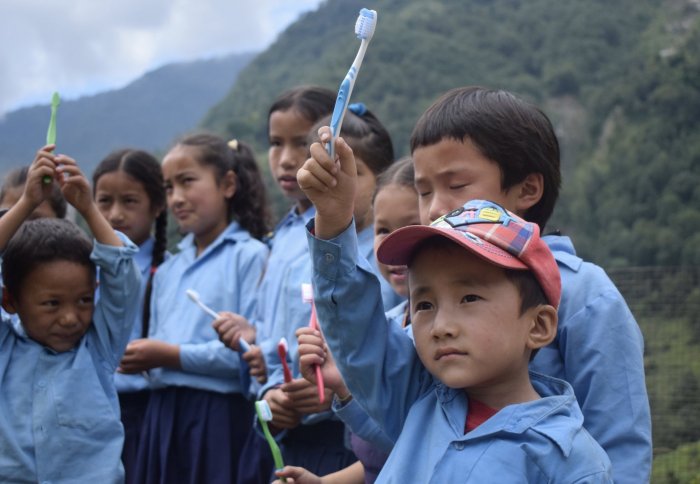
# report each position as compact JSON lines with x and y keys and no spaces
{"x":307,"y":295}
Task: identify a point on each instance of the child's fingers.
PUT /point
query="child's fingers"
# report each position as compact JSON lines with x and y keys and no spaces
{"x":346,"y":157}
{"x":320,"y":155}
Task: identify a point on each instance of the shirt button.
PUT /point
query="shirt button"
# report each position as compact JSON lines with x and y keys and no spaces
{"x":329,"y":257}
{"x":459,"y":445}
{"x":41,"y":383}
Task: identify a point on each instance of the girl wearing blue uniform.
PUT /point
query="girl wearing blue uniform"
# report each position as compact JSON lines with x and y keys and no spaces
{"x":197,"y":416}
{"x":313,"y":438}
{"x":290,"y":119}
{"x":395,"y":205}
{"x":128,"y":190}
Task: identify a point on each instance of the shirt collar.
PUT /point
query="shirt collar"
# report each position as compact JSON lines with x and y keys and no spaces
{"x":234,"y":232}
{"x":543,"y":416}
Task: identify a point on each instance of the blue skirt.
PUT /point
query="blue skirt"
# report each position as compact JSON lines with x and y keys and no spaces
{"x":192,"y":436}
{"x":319,"y":448}
{"x":133,"y":409}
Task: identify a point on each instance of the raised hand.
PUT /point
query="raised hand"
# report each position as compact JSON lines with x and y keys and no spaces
{"x":330,"y":185}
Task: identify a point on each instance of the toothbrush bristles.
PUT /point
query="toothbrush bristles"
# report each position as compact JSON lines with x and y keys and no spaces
{"x":366,"y":23}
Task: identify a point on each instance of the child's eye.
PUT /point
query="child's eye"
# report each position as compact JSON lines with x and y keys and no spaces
{"x":457,"y":187}
{"x":423,"y":306}
{"x":424,"y":194}
{"x":274,"y":143}
{"x":131,"y":201}
{"x":86,"y":301}
{"x":469,"y":298}
{"x":51,"y":303}
{"x":103,"y":201}
{"x":381,"y":231}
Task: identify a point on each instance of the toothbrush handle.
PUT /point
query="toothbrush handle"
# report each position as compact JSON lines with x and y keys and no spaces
{"x":208,"y":310}
{"x":341,"y":106}
{"x":319,"y":376}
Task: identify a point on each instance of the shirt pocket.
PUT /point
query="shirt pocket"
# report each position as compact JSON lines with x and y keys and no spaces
{"x":80,"y":400}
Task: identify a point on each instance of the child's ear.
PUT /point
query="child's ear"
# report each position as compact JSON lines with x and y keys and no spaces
{"x":8,"y":302}
{"x":530,"y":192}
{"x":229,"y":184}
{"x":544,"y":326}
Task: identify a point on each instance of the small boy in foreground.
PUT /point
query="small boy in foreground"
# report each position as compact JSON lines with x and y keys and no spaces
{"x":483,"y":292}
{"x":60,"y":414}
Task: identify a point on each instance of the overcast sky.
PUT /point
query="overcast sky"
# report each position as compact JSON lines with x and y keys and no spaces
{"x":80,"y":47}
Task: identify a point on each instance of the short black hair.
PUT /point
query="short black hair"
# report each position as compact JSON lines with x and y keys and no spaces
{"x":40,"y":241}
{"x":516,"y":135}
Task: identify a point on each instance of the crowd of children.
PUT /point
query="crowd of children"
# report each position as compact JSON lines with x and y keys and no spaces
{"x":457,"y":342}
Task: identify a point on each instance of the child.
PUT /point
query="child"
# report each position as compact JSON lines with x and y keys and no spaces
{"x":395,"y":205}
{"x":197,"y":415}
{"x":483,"y":295}
{"x":318,"y":443}
{"x":290,"y":117}
{"x":60,"y":411}
{"x":13,"y":187}
{"x":128,"y":190}
{"x":478,"y":143}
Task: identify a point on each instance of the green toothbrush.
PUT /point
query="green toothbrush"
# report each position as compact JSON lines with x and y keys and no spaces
{"x":51,"y":133}
{"x":262,"y":408}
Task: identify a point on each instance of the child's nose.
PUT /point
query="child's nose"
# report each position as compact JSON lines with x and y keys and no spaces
{"x":69,"y":318}
{"x":289,"y":158}
{"x":115,"y":213}
{"x":443,"y":325}
{"x":440,"y":206}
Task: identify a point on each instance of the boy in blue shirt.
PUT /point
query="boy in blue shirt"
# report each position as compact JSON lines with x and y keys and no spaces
{"x":483,"y":292}
{"x":480,"y":143}
{"x":60,"y":414}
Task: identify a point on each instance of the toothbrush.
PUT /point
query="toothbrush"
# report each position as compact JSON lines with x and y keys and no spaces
{"x":262,"y":408}
{"x":364,"y":29}
{"x":194,"y":296}
{"x":307,"y":295}
{"x":51,"y":132}
{"x":282,"y":349}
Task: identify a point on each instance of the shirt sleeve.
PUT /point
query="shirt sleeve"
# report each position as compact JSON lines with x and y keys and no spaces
{"x":120,"y":284}
{"x":362,"y":425}
{"x":376,"y":358}
{"x":213,"y":358}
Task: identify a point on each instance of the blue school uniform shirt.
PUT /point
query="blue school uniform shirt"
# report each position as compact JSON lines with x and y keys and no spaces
{"x":629,"y":447}
{"x":539,"y":441}
{"x":226,"y":275}
{"x":60,"y":412}
{"x":143,"y":258}
{"x":294,"y":313}
{"x":599,"y":350}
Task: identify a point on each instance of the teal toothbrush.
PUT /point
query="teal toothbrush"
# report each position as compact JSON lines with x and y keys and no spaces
{"x":262,"y":408}
{"x":51,"y":132}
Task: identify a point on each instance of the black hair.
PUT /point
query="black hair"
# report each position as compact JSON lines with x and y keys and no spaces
{"x":399,"y":173}
{"x":248,"y":206}
{"x":312,"y":102}
{"x":144,"y":168}
{"x":516,"y":135}
{"x":39,"y":241}
{"x":18,"y":178}
{"x":368,"y":138}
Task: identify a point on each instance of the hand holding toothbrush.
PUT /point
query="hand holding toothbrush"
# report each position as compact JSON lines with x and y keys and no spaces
{"x":314,"y":353}
{"x":330,"y":185}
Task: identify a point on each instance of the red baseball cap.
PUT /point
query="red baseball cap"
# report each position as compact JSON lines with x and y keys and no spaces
{"x":489,"y":231}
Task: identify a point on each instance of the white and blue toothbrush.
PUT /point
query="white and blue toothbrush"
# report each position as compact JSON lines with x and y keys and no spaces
{"x":364,"y":29}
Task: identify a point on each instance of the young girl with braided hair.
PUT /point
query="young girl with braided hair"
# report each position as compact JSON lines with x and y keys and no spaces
{"x":128,"y":190}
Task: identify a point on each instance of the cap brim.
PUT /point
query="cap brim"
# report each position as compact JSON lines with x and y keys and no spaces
{"x":398,"y":247}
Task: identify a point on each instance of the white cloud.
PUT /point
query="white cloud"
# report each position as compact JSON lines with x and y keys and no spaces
{"x":86,"y":46}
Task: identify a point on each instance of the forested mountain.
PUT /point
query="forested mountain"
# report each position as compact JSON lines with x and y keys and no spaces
{"x":620,"y":81}
{"x":148,"y":113}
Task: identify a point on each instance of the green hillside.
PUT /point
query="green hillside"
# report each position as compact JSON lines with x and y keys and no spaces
{"x":617,"y":78}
